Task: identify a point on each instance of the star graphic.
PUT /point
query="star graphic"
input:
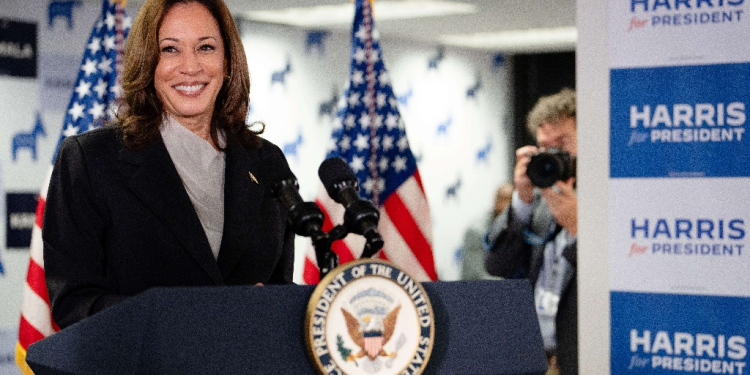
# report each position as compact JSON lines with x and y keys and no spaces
{"x":384,"y":78}
{"x":345,"y":143}
{"x":110,"y":21}
{"x":358,"y":77}
{"x":89,"y":67}
{"x":362,"y":142}
{"x":83,"y":89}
{"x":381,"y":99}
{"x":353,"y":99}
{"x":95,"y":45}
{"x":378,"y":121}
{"x":364,"y":120}
{"x":402,"y":144}
{"x":105,"y":65}
{"x":359,"y":56}
{"x":383,"y":164}
{"x":361,"y":33}
{"x":399,"y":164}
{"x":76,"y":111}
{"x":109,"y":43}
{"x":97,"y":110}
{"x":357,"y":164}
{"x":70,"y":130}
{"x":392,"y":121}
{"x":368,"y":185}
{"x":350,"y":121}
{"x":101,"y":88}
{"x":387,"y":142}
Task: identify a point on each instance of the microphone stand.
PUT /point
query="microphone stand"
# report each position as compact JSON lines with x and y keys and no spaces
{"x":327,"y":259}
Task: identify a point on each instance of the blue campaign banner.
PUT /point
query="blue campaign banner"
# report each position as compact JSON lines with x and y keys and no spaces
{"x":684,"y":121}
{"x":673,"y":334}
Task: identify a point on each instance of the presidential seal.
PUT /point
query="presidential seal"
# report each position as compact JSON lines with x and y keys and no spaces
{"x":369,"y":317}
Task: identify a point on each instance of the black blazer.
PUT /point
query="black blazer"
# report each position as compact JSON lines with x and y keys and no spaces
{"x":119,"y":221}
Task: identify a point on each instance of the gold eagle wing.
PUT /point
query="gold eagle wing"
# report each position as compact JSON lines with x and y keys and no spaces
{"x":352,"y":325}
{"x":389,"y":324}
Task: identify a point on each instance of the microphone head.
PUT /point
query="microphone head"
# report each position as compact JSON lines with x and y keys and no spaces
{"x":334,"y":171}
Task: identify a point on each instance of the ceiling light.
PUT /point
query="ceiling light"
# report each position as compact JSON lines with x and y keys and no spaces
{"x":555,"y":39}
{"x":343,"y":14}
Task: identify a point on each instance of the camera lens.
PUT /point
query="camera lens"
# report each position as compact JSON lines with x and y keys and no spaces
{"x":544,"y":169}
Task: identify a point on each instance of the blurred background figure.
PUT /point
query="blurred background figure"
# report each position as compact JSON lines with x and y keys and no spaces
{"x":472,"y":265}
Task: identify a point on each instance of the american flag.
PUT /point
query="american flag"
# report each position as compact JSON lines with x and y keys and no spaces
{"x":92,"y":103}
{"x":369,"y":134}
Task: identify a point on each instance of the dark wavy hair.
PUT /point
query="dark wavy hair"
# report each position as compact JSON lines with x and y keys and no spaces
{"x":141,"y":112}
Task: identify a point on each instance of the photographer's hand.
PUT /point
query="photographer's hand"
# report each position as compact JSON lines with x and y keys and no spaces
{"x":521,"y":180}
{"x":563,"y":202}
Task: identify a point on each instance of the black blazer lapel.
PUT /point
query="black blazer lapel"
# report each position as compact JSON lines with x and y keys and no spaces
{"x":153,"y":178}
{"x":243,"y":198}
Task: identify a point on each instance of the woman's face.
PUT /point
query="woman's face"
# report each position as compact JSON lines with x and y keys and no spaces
{"x":191,"y":64}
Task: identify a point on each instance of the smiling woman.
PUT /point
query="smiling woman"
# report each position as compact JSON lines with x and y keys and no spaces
{"x":191,"y":67}
{"x":177,"y":192}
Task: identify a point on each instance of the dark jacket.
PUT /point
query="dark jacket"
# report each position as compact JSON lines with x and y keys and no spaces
{"x":510,"y":256}
{"x":119,"y":221}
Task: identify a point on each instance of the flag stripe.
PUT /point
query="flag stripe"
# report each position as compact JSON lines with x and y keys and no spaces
{"x":310,"y":273}
{"x":419,"y":181}
{"x":28,"y":334}
{"x":40,"y":211}
{"x":91,"y":102}
{"x":36,"y":251}
{"x":37,"y":314}
{"x":398,"y":252}
{"x":410,"y":233}
{"x":415,"y":201}
{"x":35,"y":280}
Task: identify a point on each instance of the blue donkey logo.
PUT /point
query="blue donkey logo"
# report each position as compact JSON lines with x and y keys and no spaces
{"x":28,"y":140}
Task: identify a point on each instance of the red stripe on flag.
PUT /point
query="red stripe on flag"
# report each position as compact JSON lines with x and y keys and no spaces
{"x":27,"y":334}
{"x":35,"y":279}
{"x":310,"y":274}
{"x":345,"y":255}
{"x":410,"y":232}
{"x":419,"y":180}
{"x":382,"y":255}
{"x":40,"y":211}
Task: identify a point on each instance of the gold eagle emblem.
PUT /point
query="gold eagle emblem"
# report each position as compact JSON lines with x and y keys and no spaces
{"x":372,"y":334}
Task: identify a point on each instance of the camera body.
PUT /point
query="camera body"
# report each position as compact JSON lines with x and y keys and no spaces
{"x":547,"y":167}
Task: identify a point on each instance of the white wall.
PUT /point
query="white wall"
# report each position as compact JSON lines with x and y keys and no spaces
{"x":593,"y":196}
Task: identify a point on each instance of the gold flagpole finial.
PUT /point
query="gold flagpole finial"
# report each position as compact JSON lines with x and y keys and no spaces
{"x":121,"y":3}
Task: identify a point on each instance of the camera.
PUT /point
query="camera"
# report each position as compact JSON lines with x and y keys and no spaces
{"x":546,"y":168}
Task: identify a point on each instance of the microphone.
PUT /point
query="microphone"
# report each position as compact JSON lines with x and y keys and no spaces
{"x":361,"y":217}
{"x":306,"y":218}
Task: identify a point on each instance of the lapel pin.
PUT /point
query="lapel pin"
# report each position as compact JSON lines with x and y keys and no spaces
{"x":253,"y":178}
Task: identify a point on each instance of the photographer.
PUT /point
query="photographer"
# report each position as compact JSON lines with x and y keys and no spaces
{"x":535,"y":237}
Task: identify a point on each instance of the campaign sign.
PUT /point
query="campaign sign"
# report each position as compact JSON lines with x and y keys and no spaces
{"x":686,"y":235}
{"x":685,"y":121}
{"x":20,"y":218}
{"x":18,"y":50}
{"x":647,"y":33}
{"x":678,"y":334}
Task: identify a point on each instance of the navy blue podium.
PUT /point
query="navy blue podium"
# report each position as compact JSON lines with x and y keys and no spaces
{"x":481,"y":327}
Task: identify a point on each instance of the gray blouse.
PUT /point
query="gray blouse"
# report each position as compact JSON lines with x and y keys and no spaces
{"x":201,"y":168}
